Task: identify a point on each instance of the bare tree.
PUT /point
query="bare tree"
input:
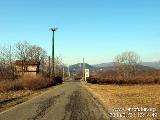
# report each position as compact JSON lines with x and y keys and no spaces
{"x":22,"y":49}
{"x":37,"y":53}
{"x":58,"y":66}
{"x":6,"y":63}
{"x":126,"y":63}
{"x":28,"y":52}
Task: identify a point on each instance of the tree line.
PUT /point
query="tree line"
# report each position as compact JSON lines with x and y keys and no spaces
{"x":127,"y":69}
{"x":27,"y":52}
{"x":126,"y":64}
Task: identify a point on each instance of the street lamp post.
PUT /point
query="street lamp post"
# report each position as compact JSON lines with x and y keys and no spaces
{"x":53,"y":69}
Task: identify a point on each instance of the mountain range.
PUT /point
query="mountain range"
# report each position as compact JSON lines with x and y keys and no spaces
{"x":148,"y":64}
{"x":79,"y":66}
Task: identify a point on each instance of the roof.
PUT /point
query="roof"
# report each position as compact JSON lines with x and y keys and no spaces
{"x":31,"y":62}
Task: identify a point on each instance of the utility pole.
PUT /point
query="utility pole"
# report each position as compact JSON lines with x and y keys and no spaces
{"x":53,"y":70}
{"x":83,"y":69}
{"x":68,"y":72}
{"x":63,"y":72}
{"x":10,"y":59}
{"x":49,"y":67}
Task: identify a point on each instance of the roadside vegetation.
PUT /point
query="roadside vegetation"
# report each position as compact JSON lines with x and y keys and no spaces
{"x":127,"y":84}
{"x":25,"y":83}
{"x":126,"y":70}
{"x":16,"y":91}
{"x":13,"y":86}
{"x":128,"y":96}
{"x":24,"y":51}
{"x":121,"y":80}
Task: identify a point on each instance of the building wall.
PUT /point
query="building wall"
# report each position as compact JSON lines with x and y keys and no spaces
{"x":32,"y":70}
{"x":19,"y":68}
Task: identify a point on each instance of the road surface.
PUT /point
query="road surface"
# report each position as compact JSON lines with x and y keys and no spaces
{"x":69,"y":101}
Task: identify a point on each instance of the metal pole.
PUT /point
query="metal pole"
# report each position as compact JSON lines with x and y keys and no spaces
{"x":83,"y":70}
{"x":68,"y":72}
{"x":53,"y":74}
{"x":53,"y":67}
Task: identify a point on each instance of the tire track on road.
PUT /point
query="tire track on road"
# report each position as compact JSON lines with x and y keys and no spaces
{"x":44,"y":105}
{"x":77,"y":108}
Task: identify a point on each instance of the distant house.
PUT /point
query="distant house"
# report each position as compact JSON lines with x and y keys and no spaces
{"x":27,"y":67}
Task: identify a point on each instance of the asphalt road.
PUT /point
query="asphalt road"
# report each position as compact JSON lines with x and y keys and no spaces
{"x":69,"y":101}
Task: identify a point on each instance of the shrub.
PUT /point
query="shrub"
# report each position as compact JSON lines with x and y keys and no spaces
{"x":26,"y":82}
{"x":58,"y":80}
{"x":8,"y":85}
{"x":120,"y":80}
{"x":37,"y":82}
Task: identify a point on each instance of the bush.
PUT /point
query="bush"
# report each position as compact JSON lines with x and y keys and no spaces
{"x":120,"y":80}
{"x":92,"y":80}
{"x":8,"y":85}
{"x":58,"y":80}
{"x":36,"y":83}
{"x":26,"y":82}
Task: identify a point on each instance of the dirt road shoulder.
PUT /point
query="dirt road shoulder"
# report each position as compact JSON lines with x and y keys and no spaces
{"x":97,"y":99}
{"x":14,"y":98}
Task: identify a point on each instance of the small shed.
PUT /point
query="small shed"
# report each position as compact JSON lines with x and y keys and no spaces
{"x":27,"y":67}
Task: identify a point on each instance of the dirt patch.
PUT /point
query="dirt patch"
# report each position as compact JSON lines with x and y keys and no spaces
{"x":9,"y":99}
{"x":12,"y":98}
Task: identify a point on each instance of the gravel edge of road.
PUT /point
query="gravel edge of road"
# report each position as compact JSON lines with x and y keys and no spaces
{"x":98,"y":100}
{"x":27,"y":98}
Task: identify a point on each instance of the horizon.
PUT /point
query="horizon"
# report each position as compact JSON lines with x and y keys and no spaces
{"x":97,"y":31}
{"x":141,"y":63}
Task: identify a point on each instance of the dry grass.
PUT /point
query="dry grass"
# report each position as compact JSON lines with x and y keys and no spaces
{"x":13,"y":92}
{"x":13,"y":95}
{"x":12,"y":98}
{"x":128,"y":96}
{"x":25,"y":83}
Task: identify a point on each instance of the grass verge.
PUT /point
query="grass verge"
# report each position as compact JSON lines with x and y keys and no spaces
{"x":13,"y":98}
{"x":118,"y":98}
{"x":13,"y":92}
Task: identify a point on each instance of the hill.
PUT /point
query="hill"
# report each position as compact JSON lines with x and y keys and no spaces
{"x":110,"y":71}
{"x":147,"y":64}
{"x":151,"y":64}
{"x":109,"y":64}
{"x":79,"y":66}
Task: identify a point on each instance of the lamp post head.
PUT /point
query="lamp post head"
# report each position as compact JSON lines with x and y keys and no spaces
{"x":53,"y":29}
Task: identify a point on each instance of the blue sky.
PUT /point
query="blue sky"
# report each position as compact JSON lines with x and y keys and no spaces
{"x":97,"y":30}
